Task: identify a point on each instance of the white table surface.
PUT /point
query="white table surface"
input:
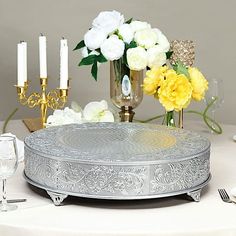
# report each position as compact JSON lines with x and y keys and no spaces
{"x":167,"y":216}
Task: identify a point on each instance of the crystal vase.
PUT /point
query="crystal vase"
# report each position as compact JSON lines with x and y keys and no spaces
{"x":125,"y":89}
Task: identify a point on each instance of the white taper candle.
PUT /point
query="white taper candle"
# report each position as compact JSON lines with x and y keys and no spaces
{"x":43,"y":56}
{"x":24,"y":46}
{"x":63,"y":64}
{"x":20,"y":65}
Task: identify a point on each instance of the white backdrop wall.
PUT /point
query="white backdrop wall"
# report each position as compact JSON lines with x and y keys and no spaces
{"x":210,"y":23}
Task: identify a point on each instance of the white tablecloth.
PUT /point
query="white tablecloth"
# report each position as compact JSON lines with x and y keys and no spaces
{"x":167,"y":216}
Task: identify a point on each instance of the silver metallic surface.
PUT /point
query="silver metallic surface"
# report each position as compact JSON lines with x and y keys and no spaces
{"x":57,"y":198}
{"x":117,"y":161}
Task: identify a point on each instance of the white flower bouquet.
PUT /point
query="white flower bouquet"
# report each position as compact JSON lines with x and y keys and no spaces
{"x":135,"y":43}
{"x":92,"y":112}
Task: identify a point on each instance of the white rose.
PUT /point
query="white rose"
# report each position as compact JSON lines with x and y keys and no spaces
{"x":162,"y":40}
{"x":97,"y":112}
{"x":146,"y":38}
{"x":139,"y":25}
{"x":113,"y":48}
{"x":108,"y":21}
{"x":84,"y":52}
{"x":62,"y":117}
{"x":126,"y":32}
{"x":137,"y":58}
{"x":94,"y":38}
{"x":156,"y":56}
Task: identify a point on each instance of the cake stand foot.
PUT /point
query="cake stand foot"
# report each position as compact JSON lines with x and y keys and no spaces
{"x":57,"y":198}
{"x":195,"y":195}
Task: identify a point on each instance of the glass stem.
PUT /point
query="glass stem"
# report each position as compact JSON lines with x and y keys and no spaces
{"x":4,"y":193}
{"x":213,"y":114}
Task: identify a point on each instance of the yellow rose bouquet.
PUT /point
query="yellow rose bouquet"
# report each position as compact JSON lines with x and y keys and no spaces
{"x":175,"y":87}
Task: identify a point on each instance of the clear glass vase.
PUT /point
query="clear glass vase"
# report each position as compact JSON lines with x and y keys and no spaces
{"x":125,"y":88}
{"x":183,"y":51}
{"x":169,"y":119}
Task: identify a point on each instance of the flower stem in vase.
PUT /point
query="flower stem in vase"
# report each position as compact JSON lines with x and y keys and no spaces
{"x":169,"y":119}
{"x":181,"y":119}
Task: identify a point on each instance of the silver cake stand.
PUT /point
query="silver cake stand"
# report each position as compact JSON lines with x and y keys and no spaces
{"x":118,"y":161}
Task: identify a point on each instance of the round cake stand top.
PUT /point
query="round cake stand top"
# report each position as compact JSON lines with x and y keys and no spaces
{"x":117,"y":143}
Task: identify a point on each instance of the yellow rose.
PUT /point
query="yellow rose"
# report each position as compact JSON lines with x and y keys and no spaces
{"x":175,"y":91}
{"x":154,"y":78}
{"x":199,"y":83}
{"x":150,"y":86}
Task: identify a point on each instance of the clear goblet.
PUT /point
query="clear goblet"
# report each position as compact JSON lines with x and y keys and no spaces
{"x":214,"y":96}
{"x":8,"y":165}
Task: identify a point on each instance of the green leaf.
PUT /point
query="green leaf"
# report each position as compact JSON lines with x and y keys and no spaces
{"x":132,"y":44}
{"x":81,"y":44}
{"x":89,"y":60}
{"x":180,"y":68}
{"x":129,"y":21}
{"x":168,"y":54}
{"x":98,"y":50}
{"x":94,"y":70}
{"x":101,"y":58}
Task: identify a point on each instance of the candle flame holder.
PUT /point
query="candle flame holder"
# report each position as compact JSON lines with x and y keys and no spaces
{"x":55,"y":99}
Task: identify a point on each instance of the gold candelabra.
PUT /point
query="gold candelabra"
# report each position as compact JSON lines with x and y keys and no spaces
{"x":54,"y":99}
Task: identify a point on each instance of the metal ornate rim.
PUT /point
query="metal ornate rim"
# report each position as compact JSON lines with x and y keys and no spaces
{"x":139,"y":197}
{"x":120,"y":163}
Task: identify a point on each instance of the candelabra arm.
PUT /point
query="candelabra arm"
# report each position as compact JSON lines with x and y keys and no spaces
{"x":55,"y":99}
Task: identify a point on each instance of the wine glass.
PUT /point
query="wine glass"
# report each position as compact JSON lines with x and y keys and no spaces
{"x":214,"y":96}
{"x":8,"y":165}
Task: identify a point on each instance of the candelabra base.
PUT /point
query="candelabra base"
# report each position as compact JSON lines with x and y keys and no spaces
{"x":33,"y":124}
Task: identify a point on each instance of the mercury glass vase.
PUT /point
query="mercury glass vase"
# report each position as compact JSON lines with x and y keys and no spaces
{"x":183,"y":51}
{"x":125,"y":89}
